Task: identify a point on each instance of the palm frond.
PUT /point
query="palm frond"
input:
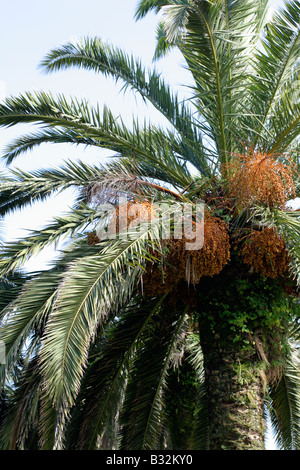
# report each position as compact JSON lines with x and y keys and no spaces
{"x":284,"y":124}
{"x":21,"y":420}
{"x":218,"y":36}
{"x":199,"y":438}
{"x":162,"y":45}
{"x":58,"y":135}
{"x":25,"y":316}
{"x":91,"y":288}
{"x":10,"y":287}
{"x":93,"y":54}
{"x":21,"y":188}
{"x":76,"y":118}
{"x":285,"y":403}
{"x":275,"y":63}
{"x":15,"y":254}
{"x":145,"y":6}
{"x":106,"y":377}
{"x":143,"y":417}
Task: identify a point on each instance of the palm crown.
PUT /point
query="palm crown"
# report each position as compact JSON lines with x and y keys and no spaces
{"x":87,"y":328}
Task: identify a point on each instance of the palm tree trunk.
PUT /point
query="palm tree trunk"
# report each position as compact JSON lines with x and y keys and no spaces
{"x":235,"y":384}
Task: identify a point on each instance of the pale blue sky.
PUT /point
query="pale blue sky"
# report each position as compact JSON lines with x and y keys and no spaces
{"x":28,"y":30}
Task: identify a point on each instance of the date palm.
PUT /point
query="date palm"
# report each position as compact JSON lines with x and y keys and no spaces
{"x":117,"y":342}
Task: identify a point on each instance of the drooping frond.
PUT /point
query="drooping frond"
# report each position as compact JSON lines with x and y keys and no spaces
{"x":118,"y":176}
{"x":10,"y":287}
{"x":21,"y":188}
{"x":220,"y":36}
{"x":93,"y":54}
{"x":80,"y":119}
{"x":284,"y":123}
{"x":275,"y":65}
{"x":25,"y":316}
{"x":145,"y":6}
{"x":20,"y":426}
{"x":199,"y":437}
{"x":285,"y":401}
{"x":143,"y":416}
{"x":92,"y":288}
{"x":15,"y":254}
{"x":105,"y":381}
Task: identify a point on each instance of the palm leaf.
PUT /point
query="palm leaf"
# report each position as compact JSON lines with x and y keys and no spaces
{"x":219,"y":36}
{"x":106,"y":377}
{"x":199,"y":438}
{"x":15,"y":254}
{"x":275,"y":63}
{"x":79,"y":118}
{"x":285,"y":405}
{"x":25,"y":316}
{"x":92,"y":287}
{"x":145,"y":6}
{"x":21,"y":419}
{"x":143,"y":415}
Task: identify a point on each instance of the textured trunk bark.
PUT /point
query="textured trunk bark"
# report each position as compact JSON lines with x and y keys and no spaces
{"x":236,"y":386}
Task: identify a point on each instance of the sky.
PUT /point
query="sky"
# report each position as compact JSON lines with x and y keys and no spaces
{"x":28,"y":30}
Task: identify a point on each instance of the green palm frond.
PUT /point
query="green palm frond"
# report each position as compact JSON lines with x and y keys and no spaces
{"x":21,"y":188}
{"x":284,"y":123}
{"x":15,"y":254}
{"x":143,"y":416}
{"x":118,"y":176}
{"x":10,"y":287}
{"x":275,"y":63}
{"x":145,"y":6}
{"x":106,"y":377}
{"x":93,"y":54}
{"x":23,"y":319}
{"x":199,"y":437}
{"x":20,"y":426}
{"x":81,"y":119}
{"x":25,"y":316}
{"x":58,"y":135}
{"x":162,"y":45}
{"x":285,"y":401}
{"x":92,"y":288}
{"x":219,"y":35}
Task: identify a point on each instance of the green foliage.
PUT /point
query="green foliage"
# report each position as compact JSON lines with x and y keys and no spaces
{"x":246,"y":304}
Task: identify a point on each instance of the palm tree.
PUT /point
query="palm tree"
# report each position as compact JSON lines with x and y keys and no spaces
{"x":133,"y":341}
